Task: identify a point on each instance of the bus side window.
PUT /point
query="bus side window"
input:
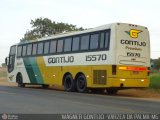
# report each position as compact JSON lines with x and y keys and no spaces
{"x":107,"y":40}
{"x":75,"y":43}
{"x":53,"y":45}
{"x":67,"y":44}
{"x":94,"y":41}
{"x":40,"y":48}
{"x":84,"y":42}
{"x":29,"y":49}
{"x":46,"y":47}
{"x":102,"y":40}
{"x":60,"y":46}
{"x":34,"y":50}
{"x":24,"y":50}
{"x":19,"y":51}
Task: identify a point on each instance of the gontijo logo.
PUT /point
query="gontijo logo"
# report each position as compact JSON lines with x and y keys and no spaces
{"x":133,"y":33}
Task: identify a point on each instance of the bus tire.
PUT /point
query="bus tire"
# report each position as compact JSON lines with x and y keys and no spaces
{"x":19,"y":80}
{"x":69,"y":83}
{"x":112,"y":91}
{"x":81,"y":83}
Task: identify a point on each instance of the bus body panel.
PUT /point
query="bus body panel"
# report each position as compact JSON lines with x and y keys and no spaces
{"x":124,"y":65}
{"x":133,"y":55}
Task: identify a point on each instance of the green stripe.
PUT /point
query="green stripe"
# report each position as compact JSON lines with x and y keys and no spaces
{"x":33,"y":70}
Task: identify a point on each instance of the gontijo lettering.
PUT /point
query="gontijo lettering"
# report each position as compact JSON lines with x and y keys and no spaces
{"x":131,"y":42}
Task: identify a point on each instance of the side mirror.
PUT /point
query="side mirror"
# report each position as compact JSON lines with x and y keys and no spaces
{"x":7,"y":61}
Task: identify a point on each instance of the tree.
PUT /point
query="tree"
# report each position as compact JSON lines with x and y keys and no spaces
{"x":44,"y":27}
{"x":3,"y":64}
{"x":157,"y":63}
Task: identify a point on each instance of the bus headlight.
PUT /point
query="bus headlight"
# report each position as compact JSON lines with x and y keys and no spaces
{"x":142,"y":80}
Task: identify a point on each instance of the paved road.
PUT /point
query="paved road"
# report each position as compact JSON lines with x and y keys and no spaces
{"x":32,"y":100}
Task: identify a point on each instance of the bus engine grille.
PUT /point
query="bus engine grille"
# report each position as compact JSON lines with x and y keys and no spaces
{"x":99,"y":77}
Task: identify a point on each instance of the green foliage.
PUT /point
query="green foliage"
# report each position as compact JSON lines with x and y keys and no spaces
{"x":3,"y":64}
{"x":44,"y":27}
{"x":157,"y":63}
{"x":155,"y":80}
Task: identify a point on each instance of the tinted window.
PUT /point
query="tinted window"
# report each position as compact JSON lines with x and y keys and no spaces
{"x":29,"y":49}
{"x":94,"y":41}
{"x":102,"y":40}
{"x":107,"y":40}
{"x":85,"y":42}
{"x":34,"y":50}
{"x":19,"y":53}
{"x":60,"y":46}
{"x":40,"y":48}
{"x":46,"y":47}
{"x":75,"y":44}
{"x":67,"y":45}
{"x":24,"y":50}
{"x":53,"y":47}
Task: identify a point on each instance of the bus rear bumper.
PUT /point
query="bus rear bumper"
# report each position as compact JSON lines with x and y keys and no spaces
{"x":123,"y":83}
{"x":132,"y":83}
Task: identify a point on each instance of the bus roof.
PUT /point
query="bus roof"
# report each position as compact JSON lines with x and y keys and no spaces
{"x":72,"y":33}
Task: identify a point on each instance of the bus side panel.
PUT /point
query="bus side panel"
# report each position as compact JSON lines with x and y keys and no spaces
{"x":51,"y":75}
{"x":20,"y":68}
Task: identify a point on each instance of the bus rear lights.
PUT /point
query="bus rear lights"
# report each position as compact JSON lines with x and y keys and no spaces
{"x":132,"y":68}
{"x":122,"y":80}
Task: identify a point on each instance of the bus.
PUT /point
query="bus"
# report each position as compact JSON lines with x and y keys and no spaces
{"x":110,"y":57}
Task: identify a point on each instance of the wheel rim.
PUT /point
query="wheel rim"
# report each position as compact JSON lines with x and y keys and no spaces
{"x":68,"y":83}
{"x":81,"y":84}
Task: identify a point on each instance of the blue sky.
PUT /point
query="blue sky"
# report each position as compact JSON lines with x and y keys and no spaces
{"x":17,"y":14}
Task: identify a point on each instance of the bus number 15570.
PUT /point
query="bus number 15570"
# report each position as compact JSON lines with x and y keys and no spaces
{"x":99,"y":57}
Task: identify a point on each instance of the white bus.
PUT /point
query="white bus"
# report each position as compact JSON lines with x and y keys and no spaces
{"x":112,"y":57}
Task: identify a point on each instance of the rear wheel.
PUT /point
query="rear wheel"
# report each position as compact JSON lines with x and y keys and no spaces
{"x":19,"y":80}
{"x":81,"y":83}
{"x":69,"y":83}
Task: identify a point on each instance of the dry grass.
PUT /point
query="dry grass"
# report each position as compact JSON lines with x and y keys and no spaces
{"x":140,"y":93}
{"x":4,"y":82}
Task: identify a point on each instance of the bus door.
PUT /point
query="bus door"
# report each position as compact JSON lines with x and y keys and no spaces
{"x":11,"y":59}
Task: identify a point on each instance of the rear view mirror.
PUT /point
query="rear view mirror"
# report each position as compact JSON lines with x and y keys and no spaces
{"x":7,"y":60}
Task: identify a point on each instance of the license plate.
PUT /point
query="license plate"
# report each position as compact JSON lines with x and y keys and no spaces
{"x":135,"y":72}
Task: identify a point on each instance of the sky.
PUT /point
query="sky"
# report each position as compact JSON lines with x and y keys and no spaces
{"x":17,"y":14}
